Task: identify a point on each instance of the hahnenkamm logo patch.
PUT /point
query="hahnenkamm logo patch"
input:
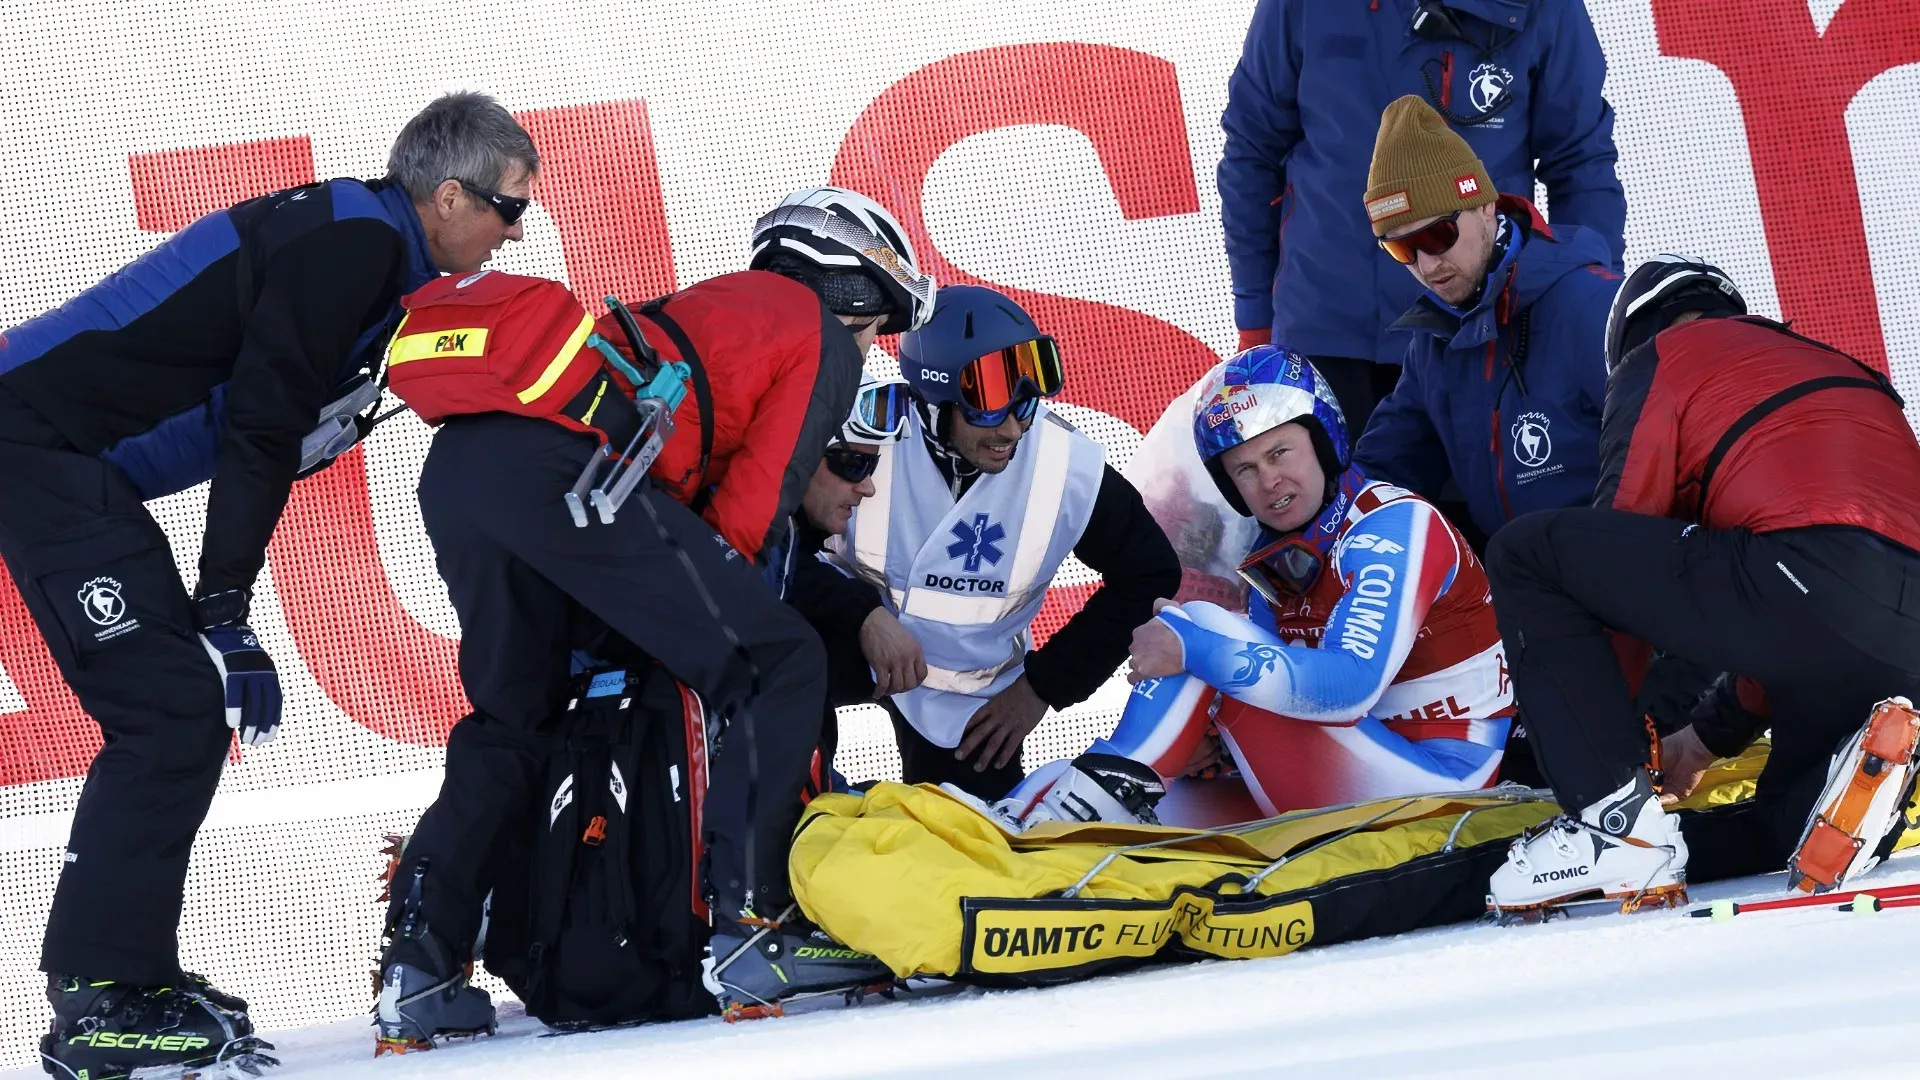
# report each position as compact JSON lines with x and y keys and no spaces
{"x":1487,"y":84}
{"x":979,"y":541}
{"x":101,"y":600}
{"x":1531,"y":444}
{"x":106,"y":608}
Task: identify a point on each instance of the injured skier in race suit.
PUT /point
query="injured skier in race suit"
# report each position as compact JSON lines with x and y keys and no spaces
{"x":1369,"y":664}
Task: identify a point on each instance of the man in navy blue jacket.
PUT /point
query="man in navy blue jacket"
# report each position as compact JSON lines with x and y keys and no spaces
{"x":1520,"y":79}
{"x":1505,"y":374}
{"x":240,"y":350}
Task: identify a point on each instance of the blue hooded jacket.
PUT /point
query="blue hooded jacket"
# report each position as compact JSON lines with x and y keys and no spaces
{"x":1303,"y":109}
{"x":1517,"y":434}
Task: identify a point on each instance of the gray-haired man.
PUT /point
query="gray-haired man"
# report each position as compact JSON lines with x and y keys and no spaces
{"x":241,"y":350}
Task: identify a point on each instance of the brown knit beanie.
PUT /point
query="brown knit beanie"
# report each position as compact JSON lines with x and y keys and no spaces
{"x":1421,"y":168}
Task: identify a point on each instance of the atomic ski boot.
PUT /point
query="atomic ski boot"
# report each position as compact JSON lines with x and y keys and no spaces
{"x":424,"y":990}
{"x":754,"y":965}
{"x":110,"y":1031}
{"x":1868,"y":785}
{"x":1624,"y":848}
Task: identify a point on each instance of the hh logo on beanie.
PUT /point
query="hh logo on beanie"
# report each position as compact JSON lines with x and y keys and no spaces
{"x":1421,"y":168}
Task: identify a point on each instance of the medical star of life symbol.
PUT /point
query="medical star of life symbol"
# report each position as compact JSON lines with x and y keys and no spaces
{"x":981,"y":540}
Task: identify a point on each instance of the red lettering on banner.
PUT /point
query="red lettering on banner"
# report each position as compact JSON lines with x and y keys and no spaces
{"x":392,"y":675}
{"x":600,"y":183}
{"x":53,"y":738}
{"x":1128,"y":105}
{"x":173,"y":188}
{"x":1794,"y":85}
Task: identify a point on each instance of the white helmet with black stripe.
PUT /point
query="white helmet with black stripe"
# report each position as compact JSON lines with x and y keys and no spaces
{"x":851,"y":251}
{"x":1656,"y":292}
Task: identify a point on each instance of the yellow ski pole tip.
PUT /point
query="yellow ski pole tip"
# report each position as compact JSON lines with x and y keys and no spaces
{"x":1865,"y":904}
{"x":1724,"y":909}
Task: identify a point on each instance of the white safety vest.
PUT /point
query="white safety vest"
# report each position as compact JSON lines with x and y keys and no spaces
{"x":967,"y":578}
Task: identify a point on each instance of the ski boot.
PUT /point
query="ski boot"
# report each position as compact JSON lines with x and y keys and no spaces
{"x":423,"y":988}
{"x":1868,"y":785}
{"x":1092,"y":787}
{"x":111,"y":1031}
{"x":1624,"y":848}
{"x":754,"y":965}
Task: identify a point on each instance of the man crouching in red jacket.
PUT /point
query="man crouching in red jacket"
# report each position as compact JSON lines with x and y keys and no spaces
{"x":530,"y":389}
{"x":1758,"y":513}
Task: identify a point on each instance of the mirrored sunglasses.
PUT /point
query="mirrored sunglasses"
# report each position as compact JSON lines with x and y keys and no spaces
{"x":1435,"y":239}
{"x":507,"y":206}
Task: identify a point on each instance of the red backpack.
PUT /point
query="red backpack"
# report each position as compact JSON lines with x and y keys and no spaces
{"x":493,"y":342}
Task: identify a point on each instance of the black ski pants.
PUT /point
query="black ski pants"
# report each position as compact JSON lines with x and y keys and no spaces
{"x":516,"y":570}
{"x":99,"y":579}
{"x":1827,"y":620}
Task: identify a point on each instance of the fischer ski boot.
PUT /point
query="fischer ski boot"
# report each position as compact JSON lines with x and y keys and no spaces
{"x":1868,"y":785}
{"x":111,"y":1031}
{"x":754,"y":965}
{"x":1623,"y":848}
{"x":423,"y":989}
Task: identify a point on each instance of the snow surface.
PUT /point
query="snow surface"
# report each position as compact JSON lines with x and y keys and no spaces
{"x":1813,"y":992}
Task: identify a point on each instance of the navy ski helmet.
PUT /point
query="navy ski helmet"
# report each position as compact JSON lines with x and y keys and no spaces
{"x":1659,"y":289}
{"x":1255,"y":392}
{"x":980,"y":350}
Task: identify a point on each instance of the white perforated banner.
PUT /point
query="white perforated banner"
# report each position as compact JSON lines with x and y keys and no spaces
{"x":1065,"y":151}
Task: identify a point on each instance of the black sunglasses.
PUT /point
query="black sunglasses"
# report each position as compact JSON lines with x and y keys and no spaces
{"x":508,"y":207}
{"x":851,"y":465}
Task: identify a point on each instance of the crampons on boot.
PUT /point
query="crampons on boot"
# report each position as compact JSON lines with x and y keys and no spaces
{"x":112,"y":1031}
{"x":424,"y":991}
{"x":754,"y":965}
{"x":1623,"y":848}
{"x":1868,"y":785}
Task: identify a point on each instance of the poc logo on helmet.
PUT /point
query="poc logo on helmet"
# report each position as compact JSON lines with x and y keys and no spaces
{"x":933,"y":376}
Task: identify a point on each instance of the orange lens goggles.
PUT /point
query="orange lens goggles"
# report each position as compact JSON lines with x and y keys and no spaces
{"x":995,"y":381}
{"x":1436,"y":239}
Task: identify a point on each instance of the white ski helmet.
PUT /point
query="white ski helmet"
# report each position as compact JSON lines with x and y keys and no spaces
{"x":821,"y":233}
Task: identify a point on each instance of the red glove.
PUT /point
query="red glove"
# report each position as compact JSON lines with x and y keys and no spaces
{"x":1250,"y":338}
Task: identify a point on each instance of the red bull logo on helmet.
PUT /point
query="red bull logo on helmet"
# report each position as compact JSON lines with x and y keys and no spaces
{"x":1230,"y":403}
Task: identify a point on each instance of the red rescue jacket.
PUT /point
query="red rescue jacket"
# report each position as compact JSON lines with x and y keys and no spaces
{"x":1742,"y":424}
{"x":1739,"y":423}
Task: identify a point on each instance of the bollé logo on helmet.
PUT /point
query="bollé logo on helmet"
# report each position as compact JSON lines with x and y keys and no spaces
{"x":1230,"y":403}
{"x":888,"y":259}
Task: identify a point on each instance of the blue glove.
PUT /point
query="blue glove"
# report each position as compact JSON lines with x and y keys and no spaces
{"x":246,"y":671}
{"x":253,"y":687}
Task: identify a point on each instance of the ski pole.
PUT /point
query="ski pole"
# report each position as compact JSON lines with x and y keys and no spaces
{"x":1726,"y":909}
{"x":1868,"y":903}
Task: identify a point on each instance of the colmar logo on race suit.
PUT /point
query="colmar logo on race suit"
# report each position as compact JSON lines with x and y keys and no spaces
{"x":1372,"y":591}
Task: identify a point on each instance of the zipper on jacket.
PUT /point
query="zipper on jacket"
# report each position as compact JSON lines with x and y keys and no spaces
{"x":1493,"y":442}
{"x":1446,"y":79}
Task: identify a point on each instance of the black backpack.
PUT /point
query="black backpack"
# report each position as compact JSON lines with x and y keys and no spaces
{"x":594,"y":919}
